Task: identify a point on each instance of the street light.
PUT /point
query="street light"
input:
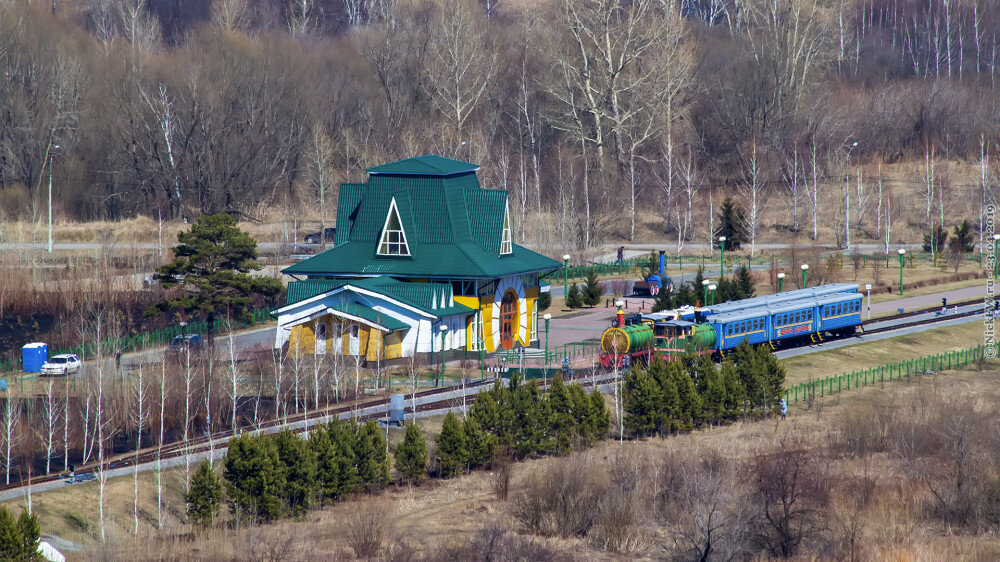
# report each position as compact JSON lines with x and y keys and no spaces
{"x":902,"y":253}
{"x":996,"y":237}
{"x":443,"y":328}
{"x":711,"y":291}
{"x":704,"y":291}
{"x":781,"y":281}
{"x":847,"y":198}
{"x":722,"y":255}
{"x":54,"y":148}
{"x":805,"y":271}
{"x":565,"y":274}
{"x":547,"y":317}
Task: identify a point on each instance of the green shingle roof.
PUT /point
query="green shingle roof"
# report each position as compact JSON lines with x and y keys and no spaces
{"x":453,"y":226}
{"x":432,"y":298}
{"x":373,"y":316}
{"x":427,"y":165}
{"x":309,"y":288}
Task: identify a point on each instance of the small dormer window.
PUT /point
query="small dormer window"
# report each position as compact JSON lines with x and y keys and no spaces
{"x":507,"y":238}
{"x":393,"y":239}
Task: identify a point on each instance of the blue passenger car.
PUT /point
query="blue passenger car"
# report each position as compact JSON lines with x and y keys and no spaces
{"x":772,"y":322}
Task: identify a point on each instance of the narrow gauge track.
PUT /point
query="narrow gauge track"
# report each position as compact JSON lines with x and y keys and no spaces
{"x":205,"y":443}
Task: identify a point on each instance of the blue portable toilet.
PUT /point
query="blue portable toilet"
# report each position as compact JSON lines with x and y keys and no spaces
{"x":33,"y":356}
{"x":396,"y":408}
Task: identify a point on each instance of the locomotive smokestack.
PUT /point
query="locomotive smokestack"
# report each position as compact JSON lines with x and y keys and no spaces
{"x":621,"y":314}
{"x":663,"y":264}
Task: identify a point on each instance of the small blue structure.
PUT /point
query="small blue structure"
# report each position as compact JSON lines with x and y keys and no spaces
{"x":397,"y":405}
{"x":33,"y":356}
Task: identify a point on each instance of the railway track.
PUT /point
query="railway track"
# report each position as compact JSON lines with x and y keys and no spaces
{"x":365,"y":411}
{"x":378,"y":409}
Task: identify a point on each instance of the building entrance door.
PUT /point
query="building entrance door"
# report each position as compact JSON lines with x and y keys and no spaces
{"x":508,"y":310}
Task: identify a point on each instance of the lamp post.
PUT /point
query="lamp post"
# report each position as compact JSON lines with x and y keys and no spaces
{"x":805,"y":271}
{"x":781,"y":282}
{"x":711,"y":292}
{"x":183,"y":345}
{"x":996,"y":237}
{"x":565,"y":274}
{"x":704,"y":291}
{"x":902,"y":253}
{"x":54,"y":148}
{"x":444,"y":329}
{"x":722,"y":255}
{"x":547,"y":317}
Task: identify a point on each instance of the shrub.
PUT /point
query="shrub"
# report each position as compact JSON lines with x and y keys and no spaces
{"x":544,"y":301}
{"x":299,"y":462}
{"x":369,"y":528}
{"x":562,"y":500}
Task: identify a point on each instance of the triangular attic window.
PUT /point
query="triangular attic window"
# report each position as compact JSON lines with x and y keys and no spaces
{"x":393,"y":239}
{"x":507,"y":238}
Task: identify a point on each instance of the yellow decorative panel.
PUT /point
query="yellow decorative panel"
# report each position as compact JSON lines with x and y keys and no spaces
{"x":374,"y":346}
{"x":393,"y":345}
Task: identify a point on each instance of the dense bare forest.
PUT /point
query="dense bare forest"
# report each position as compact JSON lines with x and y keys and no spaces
{"x":593,"y":114}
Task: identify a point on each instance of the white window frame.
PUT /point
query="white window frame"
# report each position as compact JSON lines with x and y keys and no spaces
{"x":507,"y":234}
{"x":401,"y":243}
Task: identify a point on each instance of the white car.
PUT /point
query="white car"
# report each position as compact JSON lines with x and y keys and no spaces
{"x":61,"y":365}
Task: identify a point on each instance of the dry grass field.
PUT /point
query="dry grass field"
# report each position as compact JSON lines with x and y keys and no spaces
{"x":445,"y":519}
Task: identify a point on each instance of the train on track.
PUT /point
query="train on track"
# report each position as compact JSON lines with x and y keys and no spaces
{"x":784,"y":319}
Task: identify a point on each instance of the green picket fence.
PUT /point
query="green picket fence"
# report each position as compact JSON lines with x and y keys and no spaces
{"x":888,"y":372}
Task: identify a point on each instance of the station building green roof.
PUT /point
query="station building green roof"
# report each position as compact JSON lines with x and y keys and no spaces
{"x":432,"y":298}
{"x":453,"y":227}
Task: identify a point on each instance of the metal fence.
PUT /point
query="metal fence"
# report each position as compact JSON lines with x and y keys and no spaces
{"x":144,"y":340}
{"x":889,"y":371}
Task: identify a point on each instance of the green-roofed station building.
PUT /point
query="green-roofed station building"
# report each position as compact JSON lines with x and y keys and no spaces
{"x":419,"y":245}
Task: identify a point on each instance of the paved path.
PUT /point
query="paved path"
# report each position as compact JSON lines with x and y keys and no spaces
{"x":926,"y":301}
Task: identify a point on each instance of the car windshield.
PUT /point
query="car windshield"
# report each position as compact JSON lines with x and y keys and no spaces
{"x":57,"y":360}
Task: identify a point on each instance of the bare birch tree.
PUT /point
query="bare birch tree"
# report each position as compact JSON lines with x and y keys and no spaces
{"x":139,"y":416}
{"x":11,"y":421}
{"x":460,"y":66}
{"x":754,"y":195}
{"x":51,"y":412}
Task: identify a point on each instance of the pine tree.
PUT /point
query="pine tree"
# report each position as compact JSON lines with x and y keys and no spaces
{"x":544,"y":301}
{"x":530,"y":418}
{"x":711,"y":389}
{"x":29,"y":529}
{"x":371,"y":456}
{"x":936,"y":239}
{"x":573,"y":298}
{"x":334,"y":447}
{"x":300,"y":467}
{"x":479,"y":444}
{"x":18,"y":538}
{"x":688,"y":401}
{"x":735,"y":394}
{"x":600,"y":417}
{"x":746,"y":283}
{"x":255,"y":478}
{"x":204,"y":496}
{"x":643,"y":399}
{"x":411,"y":454}
{"x":451,"y":448}
{"x":580,"y":412}
{"x":561,"y":423}
{"x":592,"y":291}
{"x":733,"y":224}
